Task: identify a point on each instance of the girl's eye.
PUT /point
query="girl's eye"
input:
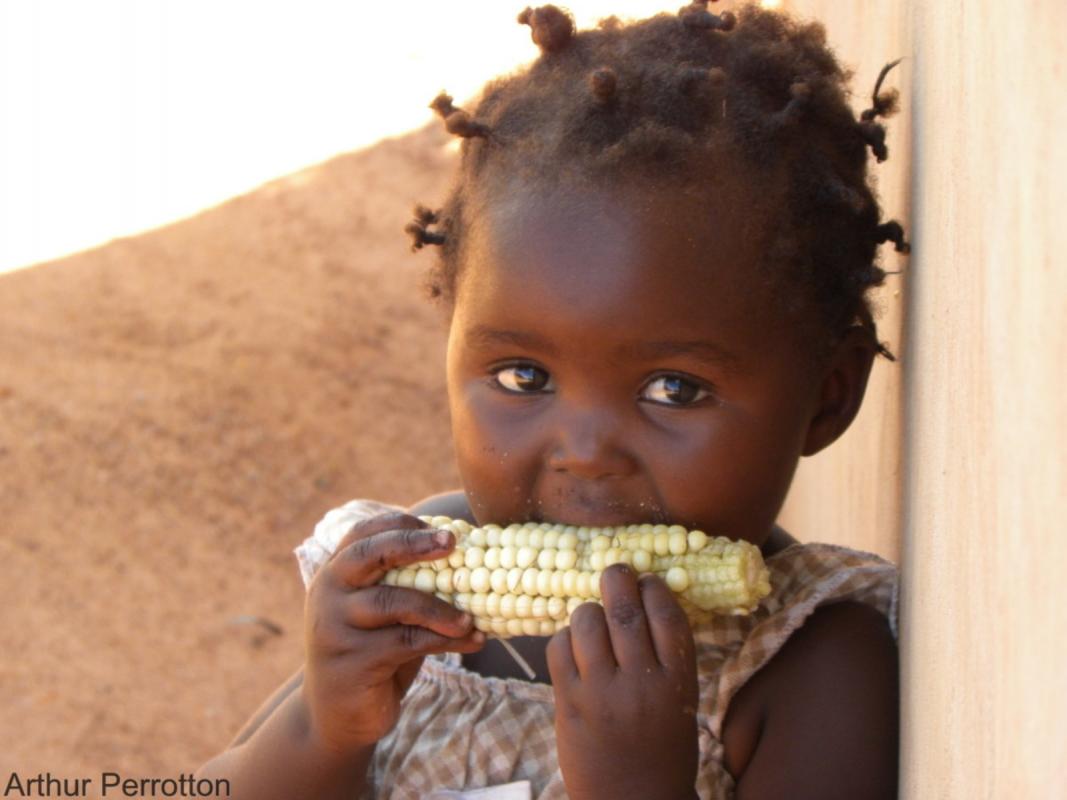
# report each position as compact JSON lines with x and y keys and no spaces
{"x":674,"y":390}
{"x":522,"y":378}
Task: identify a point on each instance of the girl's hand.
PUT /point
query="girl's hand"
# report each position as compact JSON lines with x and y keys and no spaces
{"x":364,"y":643}
{"x":625,"y":683}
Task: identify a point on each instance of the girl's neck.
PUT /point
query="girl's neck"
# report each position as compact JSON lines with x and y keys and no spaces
{"x":778,"y":541}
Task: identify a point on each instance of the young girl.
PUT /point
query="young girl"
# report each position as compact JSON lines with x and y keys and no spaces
{"x":655,"y":261}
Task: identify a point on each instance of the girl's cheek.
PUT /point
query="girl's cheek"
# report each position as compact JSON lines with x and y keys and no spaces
{"x":482,"y":433}
{"x":497,"y":449}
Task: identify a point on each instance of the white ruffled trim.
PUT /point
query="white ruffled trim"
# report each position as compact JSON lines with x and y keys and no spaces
{"x":319,"y":548}
{"x":519,"y":790}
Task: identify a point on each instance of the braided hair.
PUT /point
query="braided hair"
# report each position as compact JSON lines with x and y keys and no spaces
{"x":665,"y":98}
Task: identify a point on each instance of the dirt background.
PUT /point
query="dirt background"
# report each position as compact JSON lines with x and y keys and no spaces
{"x":177,"y":409}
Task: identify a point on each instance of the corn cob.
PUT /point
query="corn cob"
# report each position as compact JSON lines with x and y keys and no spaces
{"x":526,"y":580}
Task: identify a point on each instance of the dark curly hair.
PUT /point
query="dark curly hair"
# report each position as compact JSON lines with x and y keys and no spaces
{"x":664,"y":98}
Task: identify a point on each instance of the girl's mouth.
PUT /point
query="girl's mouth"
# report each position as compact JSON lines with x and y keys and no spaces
{"x":580,"y":509}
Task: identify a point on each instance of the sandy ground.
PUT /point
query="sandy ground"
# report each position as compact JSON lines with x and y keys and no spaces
{"x":176,"y":411}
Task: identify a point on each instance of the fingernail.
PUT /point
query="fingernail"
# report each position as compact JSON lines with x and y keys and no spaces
{"x":465,"y":620}
{"x":442,"y":538}
{"x":477,"y":637}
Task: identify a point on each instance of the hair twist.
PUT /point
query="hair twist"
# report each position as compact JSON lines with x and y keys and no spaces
{"x":799,"y":98}
{"x":418,"y":229}
{"x":550,"y":28}
{"x":457,"y":121}
{"x":883,"y":104}
{"x":696,"y":16}
{"x":603,"y":83}
{"x":892,"y":231}
{"x":874,"y":135}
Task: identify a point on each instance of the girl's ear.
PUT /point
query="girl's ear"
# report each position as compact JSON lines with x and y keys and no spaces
{"x":843,"y":385}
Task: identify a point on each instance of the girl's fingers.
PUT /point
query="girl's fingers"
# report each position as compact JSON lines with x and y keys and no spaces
{"x":626,"y":620}
{"x":382,"y":606}
{"x":390,"y":647}
{"x":591,"y":643}
{"x":560,"y":657}
{"x":671,"y":635}
{"x":364,"y":561}
{"x":389,"y":521}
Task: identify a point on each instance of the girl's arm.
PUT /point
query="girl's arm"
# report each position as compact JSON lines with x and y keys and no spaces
{"x":450,"y":504}
{"x":364,"y":644}
{"x":276,"y":755}
{"x":269,"y":706}
{"x":826,"y":711}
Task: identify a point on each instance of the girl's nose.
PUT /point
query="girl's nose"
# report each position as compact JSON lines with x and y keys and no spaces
{"x":589,"y":446}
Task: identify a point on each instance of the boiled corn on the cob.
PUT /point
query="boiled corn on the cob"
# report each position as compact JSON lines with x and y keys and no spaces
{"x":526,"y":580}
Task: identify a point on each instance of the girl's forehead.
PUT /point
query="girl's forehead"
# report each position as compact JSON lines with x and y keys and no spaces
{"x":665,"y":258}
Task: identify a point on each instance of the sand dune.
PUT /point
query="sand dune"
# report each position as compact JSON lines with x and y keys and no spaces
{"x":176,"y":411}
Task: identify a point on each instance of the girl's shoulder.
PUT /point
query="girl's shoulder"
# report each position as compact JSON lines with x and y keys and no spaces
{"x":805,"y":576}
{"x":809,"y":582}
{"x":808,"y":689}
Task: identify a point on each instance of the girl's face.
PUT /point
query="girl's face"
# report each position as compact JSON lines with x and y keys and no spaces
{"x":613,"y":359}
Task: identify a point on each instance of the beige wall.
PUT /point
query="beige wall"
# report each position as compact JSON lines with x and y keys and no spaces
{"x":979,"y":464}
{"x":985,"y":613}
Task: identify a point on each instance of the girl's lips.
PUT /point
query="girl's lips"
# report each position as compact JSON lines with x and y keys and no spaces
{"x":600,"y":516}
{"x":592,"y":520}
{"x":596,"y":506}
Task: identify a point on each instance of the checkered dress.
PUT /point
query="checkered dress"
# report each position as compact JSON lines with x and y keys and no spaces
{"x":460,"y":730}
